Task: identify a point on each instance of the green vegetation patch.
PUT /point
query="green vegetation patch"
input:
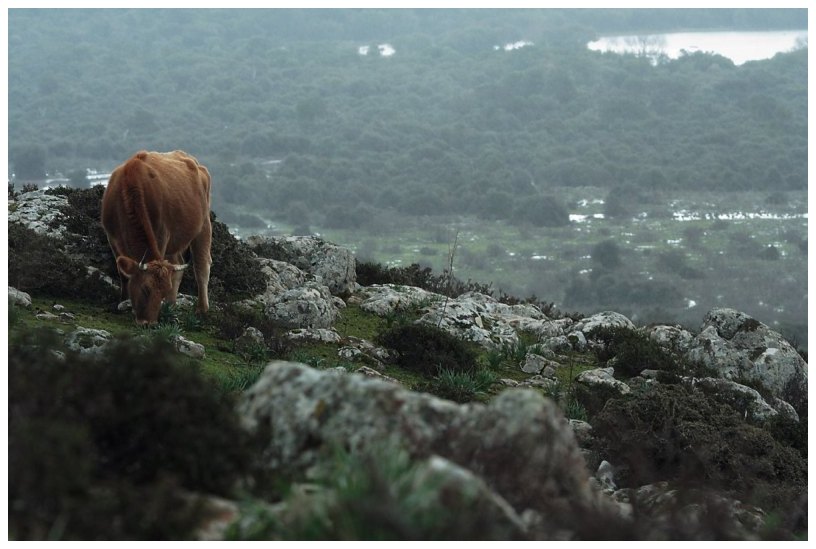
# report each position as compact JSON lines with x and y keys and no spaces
{"x":110,"y":439}
{"x":671,"y":432}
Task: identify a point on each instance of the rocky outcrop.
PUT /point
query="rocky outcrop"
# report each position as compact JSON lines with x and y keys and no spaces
{"x":519,"y":444}
{"x":40,"y":212}
{"x":330,"y":264}
{"x":388,"y":299}
{"x":738,"y":346}
{"x":675,"y":514}
{"x":308,"y":306}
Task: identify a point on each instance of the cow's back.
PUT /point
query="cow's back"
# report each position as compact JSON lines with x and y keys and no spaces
{"x":156,"y":202}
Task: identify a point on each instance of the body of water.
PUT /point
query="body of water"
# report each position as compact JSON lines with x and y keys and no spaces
{"x":737,"y":46}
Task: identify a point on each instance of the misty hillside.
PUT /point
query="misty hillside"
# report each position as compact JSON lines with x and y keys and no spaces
{"x":440,"y":128}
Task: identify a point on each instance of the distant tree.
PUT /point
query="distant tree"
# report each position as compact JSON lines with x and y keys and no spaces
{"x":606,"y":254}
{"x":28,"y":161}
{"x":79,"y":178}
{"x":541,"y":211}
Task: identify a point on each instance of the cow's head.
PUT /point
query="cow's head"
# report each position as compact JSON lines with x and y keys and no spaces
{"x":148,"y":284}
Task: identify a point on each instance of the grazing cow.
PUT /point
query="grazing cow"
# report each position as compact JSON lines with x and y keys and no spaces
{"x":156,"y":206}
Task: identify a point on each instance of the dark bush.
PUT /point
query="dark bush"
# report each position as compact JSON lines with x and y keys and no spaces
{"x":790,"y":433}
{"x":670,"y":432}
{"x":38,"y":264}
{"x":428,"y":349}
{"x":99,"y":447}
{"x":418,"y":276}
{"x":633,"y":351}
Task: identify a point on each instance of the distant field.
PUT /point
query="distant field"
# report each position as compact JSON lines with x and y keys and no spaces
{"x":679,"y":257}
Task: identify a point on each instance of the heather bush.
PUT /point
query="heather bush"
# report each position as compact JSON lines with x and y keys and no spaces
{"x":635,"y":351}
{"x":670,"y":432}
{"x":428,"y":349}
{"x":100,"y":448}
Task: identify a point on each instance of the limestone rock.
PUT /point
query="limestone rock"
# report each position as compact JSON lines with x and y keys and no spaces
{"x":602,"y":377}
{"x":87,"y":340}
{"x":317,"y":335}
{"x":737,"y":345}
{"x":309,"y":306}
{"x":18,"y":298}
{"x":519,"y":444}
{"x":187,"y":347}
{"x":671,"y":338}
{"x":330,"y":264}
{"x":280,"y":277}
{"x":386,"y":299}
{"x":606,"y":319}
{"x":535,"y":364}
{"x":476,"y":317}
{"x":40,"y":212}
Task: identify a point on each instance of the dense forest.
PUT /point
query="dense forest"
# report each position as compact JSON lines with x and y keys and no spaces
{"x":438,"y":118}
{"x":446,"y":125}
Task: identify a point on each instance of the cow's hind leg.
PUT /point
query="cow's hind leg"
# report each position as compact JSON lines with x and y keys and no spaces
{"x":200,"y":247}
{"x":176,"y":276}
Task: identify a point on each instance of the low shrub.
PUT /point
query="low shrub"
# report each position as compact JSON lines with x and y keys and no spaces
{"x":428,"y":349}
{"x":669,"y":432}
{"x":376,"y":494}
{"x":38,"y":264}
{"x":634,"y":352}
{"x":99,"y":447}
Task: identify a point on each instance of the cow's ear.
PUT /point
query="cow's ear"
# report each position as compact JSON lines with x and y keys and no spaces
{"x":126,"y":266}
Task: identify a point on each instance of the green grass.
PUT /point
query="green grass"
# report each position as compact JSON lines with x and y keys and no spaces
{"x":235,"y":372}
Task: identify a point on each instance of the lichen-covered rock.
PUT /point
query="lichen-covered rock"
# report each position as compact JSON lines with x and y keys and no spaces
{"x":317,"y":335}
{"x":386,"y":299}
{"x":710,"y":349}
{"x":519,"y":444}
{"x":18,"y":298}
{"x":40,"y":212}
{"x":87,"y":340}
{"x":330,"y":264}
{"x":671,"y":338}
{"x":602,"y":377}
{"x":309,"y":306}
{"x":189,"y":348}
{"x":545,"y":329}
{"x":535,"y":364}
{"x":279,"y":277}
{"x":604,"y":320}
{"x":478,"y":318}
{"x":738,"y":346}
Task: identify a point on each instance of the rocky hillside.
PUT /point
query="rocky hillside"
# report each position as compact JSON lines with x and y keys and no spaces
{"x":308,"y":406}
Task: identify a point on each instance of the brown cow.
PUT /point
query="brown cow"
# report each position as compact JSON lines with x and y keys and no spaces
{"x":156,"y":206}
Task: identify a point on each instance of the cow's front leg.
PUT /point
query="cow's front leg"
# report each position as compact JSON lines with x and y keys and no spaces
{"x":175,"y":277}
